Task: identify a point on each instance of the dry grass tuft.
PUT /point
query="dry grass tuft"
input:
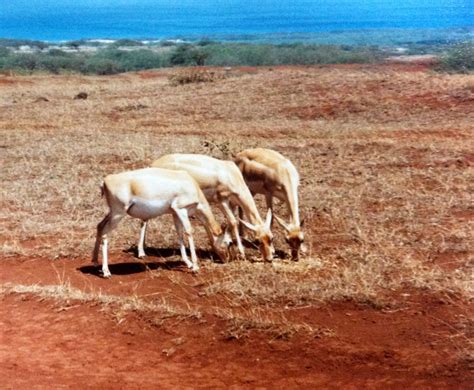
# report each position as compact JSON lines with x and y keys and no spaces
{"x":193,"y":75}
{"x":242,"y":322}
{"x":65,"y":294}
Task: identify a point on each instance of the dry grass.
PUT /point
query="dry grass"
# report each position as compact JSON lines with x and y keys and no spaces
{"x":66,"y":295}
{"x":385,"y":157}
{"x":241,"y":322}
{"x":194,"y":75}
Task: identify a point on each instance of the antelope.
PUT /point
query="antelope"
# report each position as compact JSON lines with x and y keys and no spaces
{"x":269,"y":173}
{"x":149,"y":193}
{"x":222,"y":183}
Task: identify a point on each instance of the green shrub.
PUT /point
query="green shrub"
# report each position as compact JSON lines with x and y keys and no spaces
{"x":132,"y":60}
{"x":113,"y":60}
{"x":125,"y":42}
{"x":26,"y":62}
{"x":188,"y":55}
{"x":205,"y":42}
{"x":167,"y":43}
{"x":58,"y":52}
{"x":82,"y":42}
{"x":4,"y":51}
{"x":101,"y":66}
{"x":288,"y":54}
{"x":459,"y":59}
{"x":61,"y":63}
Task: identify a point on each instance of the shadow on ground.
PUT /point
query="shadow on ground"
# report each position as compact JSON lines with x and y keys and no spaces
{"x":129,"y":268}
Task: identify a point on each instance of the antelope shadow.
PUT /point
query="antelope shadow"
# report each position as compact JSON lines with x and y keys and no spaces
{"x":129,"y":268}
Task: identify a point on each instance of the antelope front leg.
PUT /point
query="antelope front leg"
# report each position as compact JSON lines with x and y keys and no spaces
{"x":141,"y":241}
{"x":105,"y":261}
{"x":234,"y":225}
{"x":181,"y":222}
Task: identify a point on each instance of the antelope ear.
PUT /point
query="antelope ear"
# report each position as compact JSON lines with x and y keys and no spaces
{"x":248,"y":225}
{"x":283,"y":224}
{"x":268,"y":219}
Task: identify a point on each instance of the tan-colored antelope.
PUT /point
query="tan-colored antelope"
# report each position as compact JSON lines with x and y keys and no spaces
{"x":222,"y":183}
{"x":269,"y":173}
{"x":151,"y":192}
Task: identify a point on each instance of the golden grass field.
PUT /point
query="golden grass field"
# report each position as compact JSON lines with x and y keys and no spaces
{"x":385,"y":154}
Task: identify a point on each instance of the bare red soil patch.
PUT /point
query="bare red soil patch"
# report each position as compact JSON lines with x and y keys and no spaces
{"x":81,"y":344}
{"x":12,"y":81}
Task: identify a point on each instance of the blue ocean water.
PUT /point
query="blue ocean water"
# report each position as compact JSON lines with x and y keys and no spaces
{"x":55,"y":20}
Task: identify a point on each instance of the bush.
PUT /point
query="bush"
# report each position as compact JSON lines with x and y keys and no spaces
{"x":188,"y":55}
{"x":112,"y":60}
{"x":54,"y":62}
{"x":132,"y":60}
{"x":27,"y":62}
{"x":4,"y":51}
{"x":101,"y":66}
{"x":82,"y":42}
{"x":60,"y":63}
{"x":459,"y":59}
{"x":58,"y":52}
{"x":289,"y":54}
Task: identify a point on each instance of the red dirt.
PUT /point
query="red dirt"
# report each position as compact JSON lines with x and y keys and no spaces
{"x":12,"y":81}
{"x":151,"y":75}
{"x":83,"y":345}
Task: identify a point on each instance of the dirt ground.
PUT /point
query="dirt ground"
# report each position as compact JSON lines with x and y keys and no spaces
{"x":82,"y":345}
{"x":381,"y":300}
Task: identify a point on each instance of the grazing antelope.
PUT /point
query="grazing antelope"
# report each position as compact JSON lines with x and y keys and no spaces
{"x":151,"y":192}
{"x":222,"y":182}
{"x":269,"y":173}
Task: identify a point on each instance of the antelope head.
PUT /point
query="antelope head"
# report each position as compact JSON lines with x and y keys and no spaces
{"x":264,"y":236}
{"x":294,"y":236}
{"x":222,"y":244}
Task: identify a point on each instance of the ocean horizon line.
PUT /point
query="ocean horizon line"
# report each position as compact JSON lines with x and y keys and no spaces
{"x":365,"y":35}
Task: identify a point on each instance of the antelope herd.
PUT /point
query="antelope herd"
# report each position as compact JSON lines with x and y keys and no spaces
{"x":183,"y":185}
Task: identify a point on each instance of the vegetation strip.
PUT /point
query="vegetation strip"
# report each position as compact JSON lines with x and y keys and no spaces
{"x":241,"y":322}
{"x":130,"y":55}
{"x":65,"y":293}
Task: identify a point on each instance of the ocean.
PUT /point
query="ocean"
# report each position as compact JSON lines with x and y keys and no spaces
{"x":57,"y":20}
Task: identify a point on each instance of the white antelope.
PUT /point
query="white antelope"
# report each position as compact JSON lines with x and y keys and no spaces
{"x":269,"y":173}
{"x":151,"y":192}
{"x":222,"y":182}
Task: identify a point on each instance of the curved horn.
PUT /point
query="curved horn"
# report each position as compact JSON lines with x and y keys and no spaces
{"x":268,"y":219}
{"x":283,"y":224}
{"x":248,"y":225}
